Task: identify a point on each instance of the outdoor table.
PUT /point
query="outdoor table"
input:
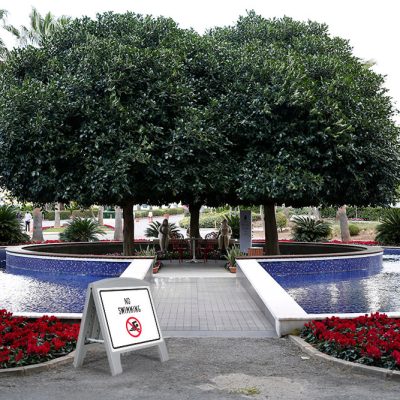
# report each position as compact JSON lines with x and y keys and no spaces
{"x":193,"y":242}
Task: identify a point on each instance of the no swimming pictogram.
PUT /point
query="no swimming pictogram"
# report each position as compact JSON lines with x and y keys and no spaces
{"x":134,"y":327}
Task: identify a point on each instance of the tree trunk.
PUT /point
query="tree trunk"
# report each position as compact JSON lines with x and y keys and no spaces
{"x":118,"y":224}
{"x":316,"y":213}
{"x":100,"y":218}
{"x":344,"y":224}
{"x":128,"y":229}
{"x":194,"y":209}
{"x":57,"y":216}
{"x":37,"y":235}
{"x":271,"y":230}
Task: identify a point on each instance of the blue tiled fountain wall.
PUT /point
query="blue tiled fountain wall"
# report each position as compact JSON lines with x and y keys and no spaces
{"x":2,"y":257}
{"x":76,"y":266}
{"x":392,"y":250}
{"x":326,"y":265}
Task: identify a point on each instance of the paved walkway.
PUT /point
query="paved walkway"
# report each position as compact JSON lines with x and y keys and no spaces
{"x":203,"y":369}
{"x":206,"y":300}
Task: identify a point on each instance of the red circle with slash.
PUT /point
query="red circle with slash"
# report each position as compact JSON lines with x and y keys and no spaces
{"x":134,"y":327}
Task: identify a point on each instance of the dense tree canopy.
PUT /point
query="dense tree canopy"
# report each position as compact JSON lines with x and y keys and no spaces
{"x":90,"y":111}
{"x":83,"y":115}
{"x":310,"y":123}
{"x":127,"y":109}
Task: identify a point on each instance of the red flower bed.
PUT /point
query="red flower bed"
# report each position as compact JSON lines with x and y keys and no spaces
{"x":371,"y":340}
{"x":109,"y":226}
{"x":25,"y":342}
{"x":365,"y":242}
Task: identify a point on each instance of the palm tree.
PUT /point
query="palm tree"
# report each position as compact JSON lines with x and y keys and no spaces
{"x":3,"y":48}
{"x":40,"y":28}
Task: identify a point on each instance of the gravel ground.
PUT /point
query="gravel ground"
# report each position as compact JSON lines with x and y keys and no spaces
{"x":206,"y":368}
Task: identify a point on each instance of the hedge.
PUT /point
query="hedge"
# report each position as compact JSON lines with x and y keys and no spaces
{"x":67,"y":214}
{"x":145,"y":213}
{"x":50,"y":215}
{"x":211,"y":220}
{"x":208,"y":220}
{"x":365,"y":213}
{"x":159,"y":212}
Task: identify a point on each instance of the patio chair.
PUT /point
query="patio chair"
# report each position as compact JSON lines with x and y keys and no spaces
{"x":179,"y":246}
{"x":206,"y":247}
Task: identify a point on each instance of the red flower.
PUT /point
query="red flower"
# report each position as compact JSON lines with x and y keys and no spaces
{"x":373,"y":351}
{"x":396,"y":356}
{"x":24,"y":342}
{"x":374,"y":339}
{"x":57,"y":343}
{"x":19,"y":356}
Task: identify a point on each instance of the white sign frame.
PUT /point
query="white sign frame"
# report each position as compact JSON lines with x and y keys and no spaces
{"x":95,"y":329}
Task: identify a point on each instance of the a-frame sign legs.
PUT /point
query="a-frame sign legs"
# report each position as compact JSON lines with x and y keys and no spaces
{"x":114,"y":359}
{"x":88,"y":326}
{"x":119,"y":313}
{"x":163,"y":352}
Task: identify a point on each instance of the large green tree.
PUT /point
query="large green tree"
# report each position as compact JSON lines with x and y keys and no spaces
{"x":129,"y":109}
{"x":85,"y":117}
{"x":197,"y":164}
{"x":309,"y":123}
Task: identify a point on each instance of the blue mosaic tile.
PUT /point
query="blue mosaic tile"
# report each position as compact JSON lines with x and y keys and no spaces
{"x":65,"y":266}
{"x":323,"y":265}
{"x":391,"y":250}
{"x":2,"y":258}
{"x":357,"y":291}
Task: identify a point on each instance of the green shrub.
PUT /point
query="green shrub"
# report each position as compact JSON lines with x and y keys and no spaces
{"x":81,"y":230}
{"x":159,"y":212}
{"x":208,"y":220}
{"x":365,"y":213}
{"x":231,"y":255}
{"x":213,"y":220}
{"x":108,"y":214}
{"x":307,"y":229}
{"x":152,"y":229}
{"x":11,"y":227}
{"x":147,"y":252}
{"x":255,"y":217}
{"x":354,"y":229}
{"x":84,"y":213}
{"x":50,"y":215}
{"x":281,"y":220}
{"x":388,"y":232}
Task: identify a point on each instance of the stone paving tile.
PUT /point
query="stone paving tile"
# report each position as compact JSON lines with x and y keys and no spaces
{"x":206,"y":304}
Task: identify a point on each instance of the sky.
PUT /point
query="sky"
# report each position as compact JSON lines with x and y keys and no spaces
{"x":371,"y":26}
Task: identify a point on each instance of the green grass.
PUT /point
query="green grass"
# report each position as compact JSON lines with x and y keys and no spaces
{"x":54,"y":230}
{"x":247,"y":391}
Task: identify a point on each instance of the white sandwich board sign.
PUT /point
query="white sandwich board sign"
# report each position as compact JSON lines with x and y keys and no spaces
{"x":119,"y":312}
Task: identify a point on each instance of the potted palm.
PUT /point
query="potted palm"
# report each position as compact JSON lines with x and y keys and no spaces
{"x":150,"y":252}
{"x":230,"y":256}
{"x":82,"y":230}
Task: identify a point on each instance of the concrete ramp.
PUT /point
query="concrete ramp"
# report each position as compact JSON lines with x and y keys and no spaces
{"x":206,"y":300}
